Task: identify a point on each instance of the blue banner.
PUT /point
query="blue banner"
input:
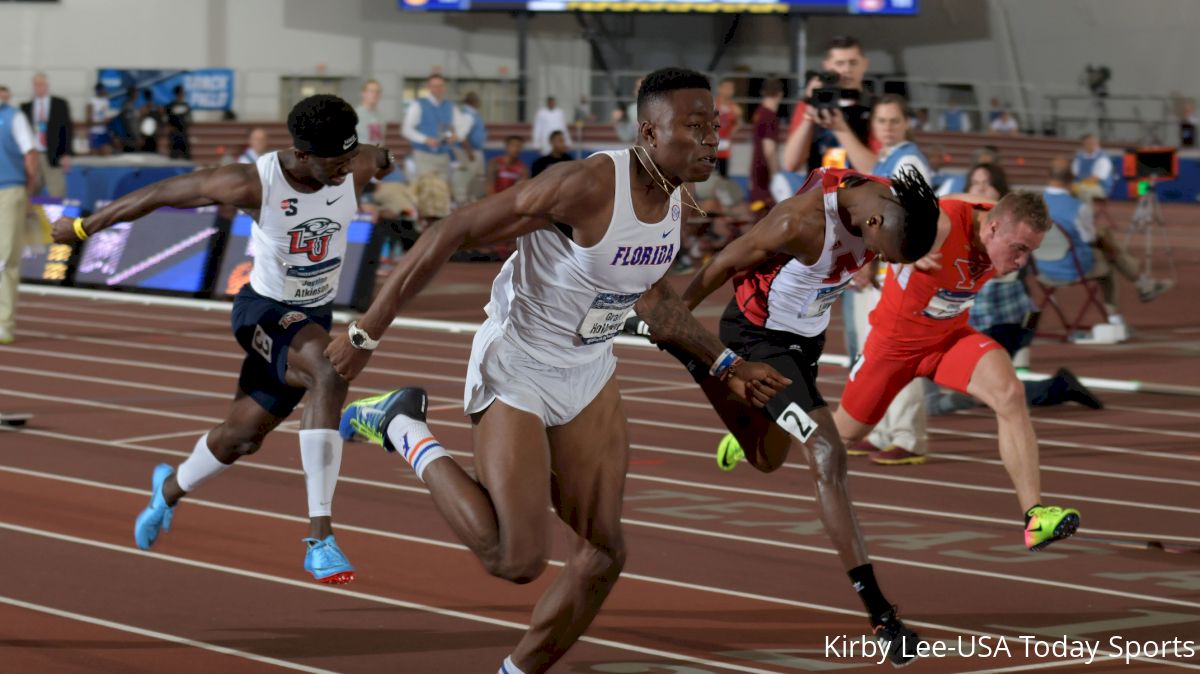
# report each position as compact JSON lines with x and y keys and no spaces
{"x":206,"y":89}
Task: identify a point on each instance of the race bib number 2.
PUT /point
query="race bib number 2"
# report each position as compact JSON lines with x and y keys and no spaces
{"x":794,"y":420}
{"x":605,"y":317}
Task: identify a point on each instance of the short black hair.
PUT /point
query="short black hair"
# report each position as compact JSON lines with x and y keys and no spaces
{"x":322,"y":122}
{"x":663,"y":81}
{"x":916,"y":235}
{"x":556,"y":132}
{"x":843,"y":42}
{"x":519,"y":139}
{"x":178,"y":89}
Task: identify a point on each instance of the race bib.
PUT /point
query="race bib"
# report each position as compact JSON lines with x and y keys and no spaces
{"x":312,"y":284}
{"x":605,"y":317}
{"x":948,"y":304}
{"x":824,"y":299}
{"x":798,"y":424}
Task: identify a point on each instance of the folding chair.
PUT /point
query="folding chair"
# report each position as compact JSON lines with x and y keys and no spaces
{"x":1056,"y":247}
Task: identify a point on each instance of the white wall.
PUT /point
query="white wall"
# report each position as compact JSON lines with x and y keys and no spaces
{"x":263,"y":40}
{"x":1146,"y":42}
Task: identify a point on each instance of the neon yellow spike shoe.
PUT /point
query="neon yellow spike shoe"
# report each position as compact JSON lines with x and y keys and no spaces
{"x":1048,"y":524}
{"x":729,"y":453}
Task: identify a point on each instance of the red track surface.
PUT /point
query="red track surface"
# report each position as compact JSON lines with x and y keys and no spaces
{"x":727,"y":572}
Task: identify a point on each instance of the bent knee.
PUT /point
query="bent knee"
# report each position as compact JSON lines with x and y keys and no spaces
{"x":603,"y":562}
{"x":1008,"y":397}
{"x":519,"y":569}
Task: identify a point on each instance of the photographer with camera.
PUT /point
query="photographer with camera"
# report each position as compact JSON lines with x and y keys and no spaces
{"x":833,"y":96}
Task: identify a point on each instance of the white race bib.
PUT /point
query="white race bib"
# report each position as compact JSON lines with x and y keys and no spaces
{"x":311,"y":285}
{"x":824,"y":299}
{"x":606,"y":316}
{"x":948,"y":304}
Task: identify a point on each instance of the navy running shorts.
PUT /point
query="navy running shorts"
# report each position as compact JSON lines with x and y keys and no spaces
{"x":265,"y":329}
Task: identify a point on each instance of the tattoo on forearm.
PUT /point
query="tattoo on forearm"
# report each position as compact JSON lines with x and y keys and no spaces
{"x":670,"y":321}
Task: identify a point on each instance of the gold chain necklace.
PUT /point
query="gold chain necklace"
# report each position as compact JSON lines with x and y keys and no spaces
{"x":661,"y":181}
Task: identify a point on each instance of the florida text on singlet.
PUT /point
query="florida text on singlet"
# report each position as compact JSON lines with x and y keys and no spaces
{"x":299,"y":238}
{"x":562,"y":303}
{"x":787,"y":295}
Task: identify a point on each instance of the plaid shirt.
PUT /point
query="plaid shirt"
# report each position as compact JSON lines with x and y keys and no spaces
{"x":1001,"y":301}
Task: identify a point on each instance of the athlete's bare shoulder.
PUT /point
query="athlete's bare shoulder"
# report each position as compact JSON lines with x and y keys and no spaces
{"x":576,"y":193}
{"x":802,"y":216}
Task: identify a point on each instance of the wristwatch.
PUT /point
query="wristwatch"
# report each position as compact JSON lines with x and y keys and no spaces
{"x":359,"y":338}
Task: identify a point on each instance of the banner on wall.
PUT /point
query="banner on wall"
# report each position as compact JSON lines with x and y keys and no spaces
{"x":207,"y":89}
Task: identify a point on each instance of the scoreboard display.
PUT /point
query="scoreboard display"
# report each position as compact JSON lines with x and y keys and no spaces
{"x":871,"y":7}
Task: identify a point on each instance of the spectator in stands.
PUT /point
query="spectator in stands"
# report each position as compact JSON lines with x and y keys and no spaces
{"x":507,"y":169}
{"x":558,"y":153}
{"x":956,"y":119}
{"x":810,"y":143}
{"x":1005,"y":124}
{"x":53,"y":134}
{"x":468,"y":181}
{"x":548,"y":120}
{"x":953,"y":182}
{"x":764,"y":161}
{"x":729,"y":114}
{"x":920,"y":120}
{"x":1003,"y":311}
{"x":623,"y":125}
{"x":179,"y":120}
{"x":372,"y":127}
{"x":256,"y":146}
{"x":996,"y":108}
{"x":19,"y":166}
{"x":988,"y":181}
{"x":889,"y":128}
{"x":583,"y":111}
{"x":98,"y":115}
{"x":1096,"y":245}
{"x":429,"y":127}
{"x":1093,"y":169}
{"x":150,"y":118}
{"x":125,"y":125}
{"x":1188,"y":121}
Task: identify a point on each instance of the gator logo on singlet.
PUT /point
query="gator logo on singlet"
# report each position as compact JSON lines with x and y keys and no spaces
{"x":312,"y":237}
{"x":643,"y":255}
{"x":969,"y":271}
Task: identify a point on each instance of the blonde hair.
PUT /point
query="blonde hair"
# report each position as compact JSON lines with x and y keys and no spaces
{"x":1022,"y":206}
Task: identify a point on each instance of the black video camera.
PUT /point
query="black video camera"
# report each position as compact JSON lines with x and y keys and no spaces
{"x":828,"y":95}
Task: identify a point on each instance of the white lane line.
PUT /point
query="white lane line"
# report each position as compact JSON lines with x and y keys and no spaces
{"x":164,"y":436}
{"x":161,"y":636}
{"x":657,"y":526}
{"x":413,"y":606}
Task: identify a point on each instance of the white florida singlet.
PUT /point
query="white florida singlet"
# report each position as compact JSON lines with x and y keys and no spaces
{"x":299,"y":238}
{"x":785,"y":294}
{"x":561,"y":303}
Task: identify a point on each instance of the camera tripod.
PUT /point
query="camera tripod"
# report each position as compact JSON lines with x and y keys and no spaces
{"x":1147,"y":217}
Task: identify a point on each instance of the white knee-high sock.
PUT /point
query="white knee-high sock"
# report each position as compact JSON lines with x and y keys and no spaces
{"x":415,"y":442}
{"x":507,"y":667}
{"x":321,"y":456}
{"x":199,"y":467}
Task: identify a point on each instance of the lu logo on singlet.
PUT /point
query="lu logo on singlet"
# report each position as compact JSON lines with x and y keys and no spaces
{"x":312,"y":237}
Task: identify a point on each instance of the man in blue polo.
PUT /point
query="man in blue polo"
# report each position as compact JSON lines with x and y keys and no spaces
{"x":429,"y":127}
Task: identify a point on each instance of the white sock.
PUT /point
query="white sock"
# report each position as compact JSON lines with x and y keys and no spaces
{"x":507,"y":667}
{"x":199,"y":467}
{"x":414,"y":441}
{"x":321,"y":457}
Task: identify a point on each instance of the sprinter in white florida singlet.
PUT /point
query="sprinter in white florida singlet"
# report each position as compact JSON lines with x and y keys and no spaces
{"x":595,"y":237}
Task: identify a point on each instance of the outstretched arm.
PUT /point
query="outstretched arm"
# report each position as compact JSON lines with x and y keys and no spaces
{"x":671,"y":322}
{"x":233,"y":185}
{"x":780,"y":232}
{"x":555,"y":195}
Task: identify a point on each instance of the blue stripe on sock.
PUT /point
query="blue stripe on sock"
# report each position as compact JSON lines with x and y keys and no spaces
{"x":417,"y":461}
{"x":503,"y":669}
